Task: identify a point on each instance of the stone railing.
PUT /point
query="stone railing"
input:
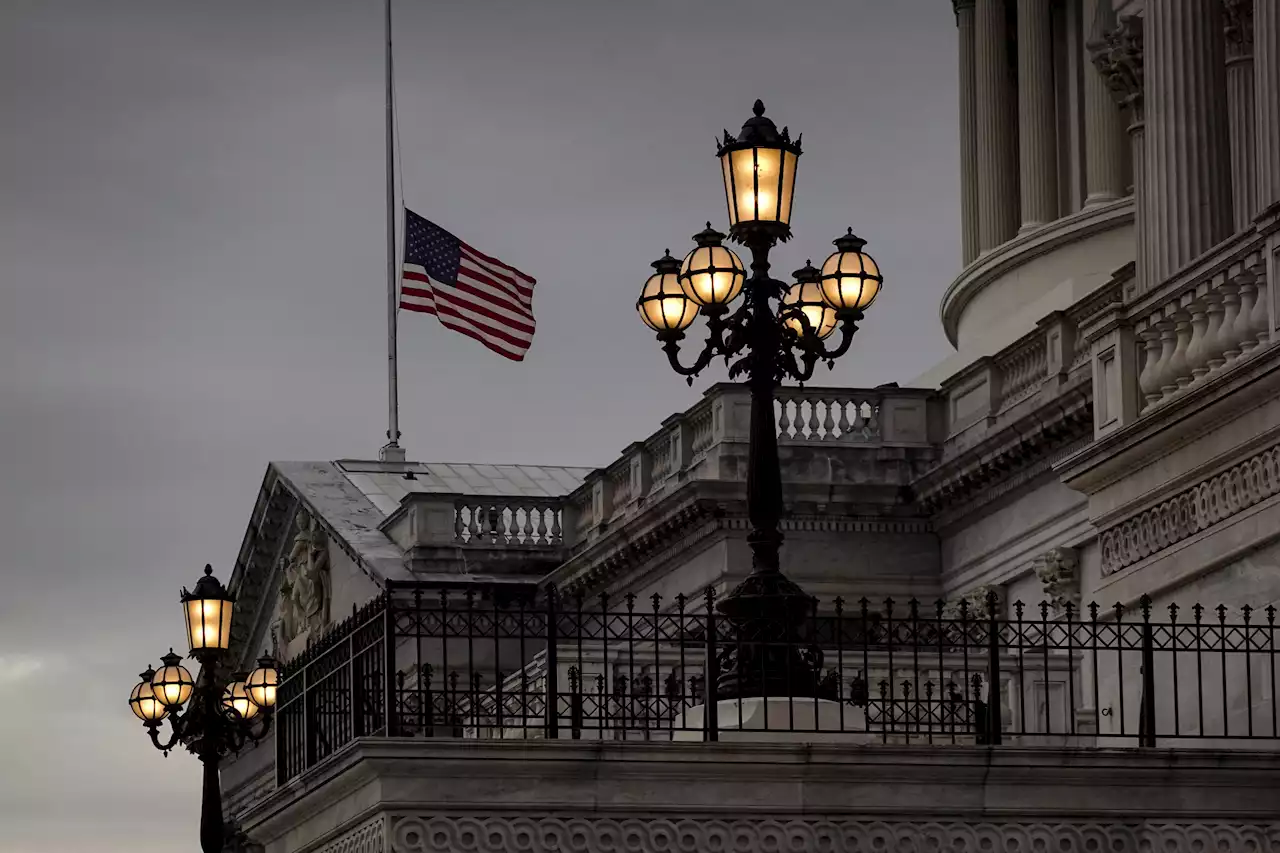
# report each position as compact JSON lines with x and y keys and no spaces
{"x":508,"y":522}
{"x":694,"y":443}
{"x":828,"y":415}
{"x":1202,"y":322}
{"x":982,"y":398}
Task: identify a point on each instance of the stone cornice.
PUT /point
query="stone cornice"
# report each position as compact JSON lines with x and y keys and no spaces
{"x":1009,"y":256}
{"x":689,"y":510}
{"x":1010,"y":456}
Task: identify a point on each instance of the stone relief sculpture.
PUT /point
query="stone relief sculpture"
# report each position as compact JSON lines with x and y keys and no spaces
{"x":975,"y":601}
{"x":305,"y":590}
{"x":1058,"y":571}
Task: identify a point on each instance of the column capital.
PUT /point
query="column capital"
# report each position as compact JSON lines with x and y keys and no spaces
{"x":959,"y":6}
{"x":1118,"y":56}
{"x":1238,"y":28}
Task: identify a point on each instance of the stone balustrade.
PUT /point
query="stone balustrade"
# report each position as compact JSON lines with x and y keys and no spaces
{"x":509,"y":522}
{"x":698,"y":443}
{"x":843,"y":415}
{"x":1203,"y":321}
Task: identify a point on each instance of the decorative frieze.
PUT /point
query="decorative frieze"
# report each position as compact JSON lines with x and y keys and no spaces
{"x":1192,"y":510}
{"x":1058,"y":571}
{"x":442,"y":833}
{"x":368,"y":838}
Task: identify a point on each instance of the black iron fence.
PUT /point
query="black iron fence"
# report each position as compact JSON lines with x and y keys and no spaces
{"x":426,"y":661}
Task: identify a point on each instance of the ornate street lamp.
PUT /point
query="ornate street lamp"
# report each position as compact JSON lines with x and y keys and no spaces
{"x":222,"y":712}
{"x":778,"y":332}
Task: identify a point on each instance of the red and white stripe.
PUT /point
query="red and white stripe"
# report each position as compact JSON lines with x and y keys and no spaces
{"x":492,"y":302}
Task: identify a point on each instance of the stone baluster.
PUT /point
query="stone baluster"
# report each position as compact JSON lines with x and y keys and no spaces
{"x":784,"y":418}
{"x":543,"y":530}
{"x":1199,"y":310}
{"x":1238,"y":19}
{"x":843,"y":424}
{"x":1149,"y":378}
{"x":1179,"y":368}
{"x":557,"y":526}
{"x":1230,"y":315}
{"x":814,"y":425}
{"x":1246,"y":340}
{"x":995,"y":112}
{"x":1168,"y":377}
{"x":828,"y":421}
{"x":1037,"y":118}
{"x":1260,"y":321}
{"x":1213,"y":334}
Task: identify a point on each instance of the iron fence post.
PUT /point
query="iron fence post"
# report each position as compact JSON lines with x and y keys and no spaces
{"x":711,"y":710}
{"x":994,"y":716}
{"x":389,"y":660}
{"x":1147,"y":710}
{"x":553,"y":668}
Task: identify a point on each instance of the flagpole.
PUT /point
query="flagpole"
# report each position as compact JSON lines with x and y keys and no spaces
{"x":392,"y":451}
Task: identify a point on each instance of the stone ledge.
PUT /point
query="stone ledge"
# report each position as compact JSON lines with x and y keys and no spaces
{"x":921,"y":790}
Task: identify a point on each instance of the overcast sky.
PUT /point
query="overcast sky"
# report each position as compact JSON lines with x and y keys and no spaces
{"x":192,"y":256}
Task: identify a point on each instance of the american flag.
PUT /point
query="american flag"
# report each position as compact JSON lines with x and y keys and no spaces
{"x":469,"y":292}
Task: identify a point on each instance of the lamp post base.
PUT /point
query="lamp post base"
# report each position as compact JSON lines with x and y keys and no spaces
{"x":768,"y":657}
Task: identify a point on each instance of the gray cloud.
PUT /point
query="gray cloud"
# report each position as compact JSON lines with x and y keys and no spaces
{"x":191,"y":233}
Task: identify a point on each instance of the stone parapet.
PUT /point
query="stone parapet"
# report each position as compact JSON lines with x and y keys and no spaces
{"x":414,"y":796}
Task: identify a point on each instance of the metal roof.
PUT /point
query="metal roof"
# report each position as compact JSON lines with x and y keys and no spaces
{"x":386,"y":484}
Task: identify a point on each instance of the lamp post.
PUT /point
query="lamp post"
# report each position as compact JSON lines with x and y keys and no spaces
{"x":223,"y":712}
{"x":777,"y":332}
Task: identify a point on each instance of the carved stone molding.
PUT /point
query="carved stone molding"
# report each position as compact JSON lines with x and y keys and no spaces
{"x":367,"y":838}
{"x":1238,"y":27}
{"x":1058,"y":570}
{"x":1118,"y":57}
{"x":504,"y":834}
{"x":1192,"y":510}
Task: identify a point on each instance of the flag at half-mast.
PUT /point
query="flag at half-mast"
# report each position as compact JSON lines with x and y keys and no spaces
{"x":468,"y":291}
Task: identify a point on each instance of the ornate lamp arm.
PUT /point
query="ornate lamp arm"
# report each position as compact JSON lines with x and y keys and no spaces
{"x":715,"y":345}
{"x":175,"y":726}
{"x":848,"y":325}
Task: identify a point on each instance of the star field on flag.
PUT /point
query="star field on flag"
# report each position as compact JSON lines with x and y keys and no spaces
{"x":469,"y":292}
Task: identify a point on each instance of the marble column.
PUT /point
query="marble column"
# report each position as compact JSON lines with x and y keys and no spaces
{"x":1104,"y":153}
{"x":968,"y":135}
{"x":1117,"y":55}
{"x":994,"y":111}
{"x":1037,"y":116}
{"x":1266,"y":87}
{"x":1238,"y":16}
{"x":1187,"y":161}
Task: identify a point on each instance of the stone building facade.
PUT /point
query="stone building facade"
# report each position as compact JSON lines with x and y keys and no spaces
{"x":1108,"y":430}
